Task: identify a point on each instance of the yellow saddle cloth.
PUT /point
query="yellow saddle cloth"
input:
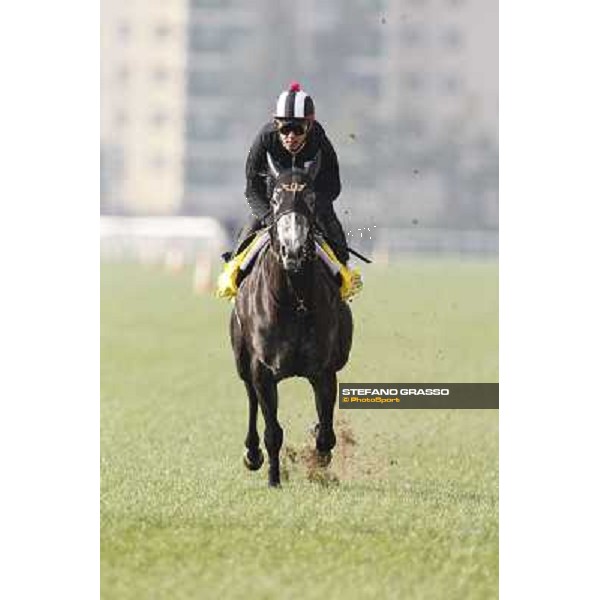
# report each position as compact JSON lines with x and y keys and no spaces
{"x":227,"y":283}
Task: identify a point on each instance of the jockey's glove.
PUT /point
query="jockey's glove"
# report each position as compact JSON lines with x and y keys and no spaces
{"x":267,"y":220}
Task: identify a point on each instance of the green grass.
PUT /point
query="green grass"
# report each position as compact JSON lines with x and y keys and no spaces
{"x":410,"y":509}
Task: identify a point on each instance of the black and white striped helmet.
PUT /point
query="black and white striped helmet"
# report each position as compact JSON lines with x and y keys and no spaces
{"x":294,"y":104}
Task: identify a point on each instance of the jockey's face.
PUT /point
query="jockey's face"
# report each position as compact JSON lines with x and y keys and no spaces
{"x":293,"y":133}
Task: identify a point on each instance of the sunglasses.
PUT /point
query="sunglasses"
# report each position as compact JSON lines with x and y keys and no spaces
{"x":296,"y":127}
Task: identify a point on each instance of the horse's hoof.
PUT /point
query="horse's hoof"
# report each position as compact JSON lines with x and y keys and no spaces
{"x":254,"y":462}
{"x":324,"y":458}
{"x":274,"y":476}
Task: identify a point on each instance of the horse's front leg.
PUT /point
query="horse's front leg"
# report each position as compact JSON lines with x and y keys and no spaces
{"x":266,"y":391}
{"x":253,"y":457}
{"x":325,"y":388}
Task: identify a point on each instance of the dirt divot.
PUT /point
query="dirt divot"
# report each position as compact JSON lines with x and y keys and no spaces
{"x":305,"y":460}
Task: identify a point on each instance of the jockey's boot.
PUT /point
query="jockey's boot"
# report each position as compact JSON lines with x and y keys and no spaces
{"x":229,"y":279}
{"x":350,"y":279}
{"x":337,"y":250}
{"x":352,"y":282}
{"x":243,"y":256}
{"x":227,"y":283}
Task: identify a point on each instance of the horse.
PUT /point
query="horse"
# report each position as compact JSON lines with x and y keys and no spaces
{"x":288,"y":321}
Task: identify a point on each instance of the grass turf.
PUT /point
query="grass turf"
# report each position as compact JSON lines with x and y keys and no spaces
{"x":409,"y":507}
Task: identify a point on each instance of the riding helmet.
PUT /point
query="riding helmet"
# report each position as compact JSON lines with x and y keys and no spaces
{"x":294,"y":103}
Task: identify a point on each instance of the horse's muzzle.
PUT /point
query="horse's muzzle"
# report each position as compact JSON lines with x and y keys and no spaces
{"x":292,"y":264}
{"x":291,"y":260}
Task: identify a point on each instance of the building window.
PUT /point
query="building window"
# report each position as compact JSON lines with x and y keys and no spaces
{"x":368,"y":5}
{"x":206,"y":39}
{"x":211,"y":3}
{"x":415,"y":81}
{"x":207,"y":172}
{"x":205,"y":83}
{"x":200,"y":127}
{"x":368,"y":43}
{"x":412,"y":126}
{"x":365,"y":85}
{"x":413,"y":36}
{"x":451,"y":84}
{"x":123,"y":75}
{"x":452,"y":39}
{"x":158,"y":162}
{"x":123,"y":32}
{"x":121,"y":119}
{"x":159,"y":118}
{"x":160,"y":74}
{"x":163,"y":31}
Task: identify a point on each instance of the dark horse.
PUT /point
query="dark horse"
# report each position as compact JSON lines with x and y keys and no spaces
{"x":289,"y":321}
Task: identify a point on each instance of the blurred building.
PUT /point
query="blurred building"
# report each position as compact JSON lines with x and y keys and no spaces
{"x":226,"y":58}
{"x":407,"y":90}
{"x":143,"y":66}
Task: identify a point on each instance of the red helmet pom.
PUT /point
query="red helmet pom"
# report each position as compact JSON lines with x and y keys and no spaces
{"x":294,"y":86}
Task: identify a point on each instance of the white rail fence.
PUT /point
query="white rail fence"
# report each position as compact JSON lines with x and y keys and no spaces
{"x":172,"y":242}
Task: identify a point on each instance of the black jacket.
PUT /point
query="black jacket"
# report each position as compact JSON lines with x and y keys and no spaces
{"x":259,"y":181}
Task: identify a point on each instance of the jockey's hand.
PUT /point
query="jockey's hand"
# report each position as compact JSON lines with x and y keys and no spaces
{"x":267,"y":220}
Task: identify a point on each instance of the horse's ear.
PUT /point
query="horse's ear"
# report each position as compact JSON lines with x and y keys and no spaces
{"x":273,"y":166}
{"x":313,"y":166}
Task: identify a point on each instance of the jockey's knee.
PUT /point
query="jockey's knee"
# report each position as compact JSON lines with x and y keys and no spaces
{"x":246,"y":233}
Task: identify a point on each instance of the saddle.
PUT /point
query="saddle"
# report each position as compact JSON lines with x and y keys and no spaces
{"x":239,"y":266}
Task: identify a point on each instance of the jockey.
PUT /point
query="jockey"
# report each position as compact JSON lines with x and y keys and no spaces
{"x":294,"y":138}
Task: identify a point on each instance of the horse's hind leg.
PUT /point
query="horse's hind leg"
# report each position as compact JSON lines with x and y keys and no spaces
{"x":253,"y":457}
{"x":266,"y":390}
{"x":325,"y":388}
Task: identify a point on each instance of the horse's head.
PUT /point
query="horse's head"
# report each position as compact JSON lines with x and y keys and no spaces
{"x":293,"y":206}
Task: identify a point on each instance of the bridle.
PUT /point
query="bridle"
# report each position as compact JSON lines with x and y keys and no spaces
{"x":308,"y":250}
{"x":307,"y":253}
